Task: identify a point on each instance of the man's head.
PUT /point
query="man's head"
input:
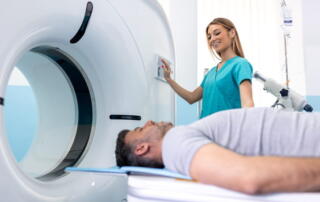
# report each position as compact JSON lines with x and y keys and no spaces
{"x":142,"y":146}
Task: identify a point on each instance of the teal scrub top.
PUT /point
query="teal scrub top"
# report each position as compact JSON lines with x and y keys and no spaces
{"x":220,"y":89}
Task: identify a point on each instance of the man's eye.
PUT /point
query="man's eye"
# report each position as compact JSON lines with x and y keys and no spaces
{"x":138,"y":129}
{"x":217,"y":33}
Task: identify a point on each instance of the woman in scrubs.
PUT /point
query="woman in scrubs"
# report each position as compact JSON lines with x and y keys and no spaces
{"x":228,"y":84}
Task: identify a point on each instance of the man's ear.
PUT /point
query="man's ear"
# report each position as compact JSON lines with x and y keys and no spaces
{"x":142,"y":149}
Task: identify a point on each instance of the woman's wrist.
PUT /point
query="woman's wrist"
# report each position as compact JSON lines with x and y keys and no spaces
{"x":168,"y":79}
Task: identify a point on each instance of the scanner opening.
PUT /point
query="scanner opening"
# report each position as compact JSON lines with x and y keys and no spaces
{"x":48,"y":113}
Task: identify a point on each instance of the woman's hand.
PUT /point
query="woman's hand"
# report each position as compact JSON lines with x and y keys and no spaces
{"x":166,"y":69}
{"x":190,"y":96}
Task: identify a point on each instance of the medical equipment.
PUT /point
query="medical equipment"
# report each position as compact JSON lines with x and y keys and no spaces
{"x":159,"y":71}
{"x":90,"y":65}
{"x":286,"y":98}
{"x":287,"y":17}
{"x":286,"y":26}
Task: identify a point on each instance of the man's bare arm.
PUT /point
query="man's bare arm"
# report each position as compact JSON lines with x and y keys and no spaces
{"x":215,"y":165}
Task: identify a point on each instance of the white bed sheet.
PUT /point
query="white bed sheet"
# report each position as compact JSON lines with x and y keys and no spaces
{"x":160,"y":189}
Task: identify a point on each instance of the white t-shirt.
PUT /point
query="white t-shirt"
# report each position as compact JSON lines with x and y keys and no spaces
{"x":249,"y":131}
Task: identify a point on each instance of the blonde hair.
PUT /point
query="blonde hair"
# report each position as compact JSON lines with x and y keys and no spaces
{"x":227,"y":24}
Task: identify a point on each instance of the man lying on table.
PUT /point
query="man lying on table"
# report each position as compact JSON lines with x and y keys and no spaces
{"x":251,"y":150}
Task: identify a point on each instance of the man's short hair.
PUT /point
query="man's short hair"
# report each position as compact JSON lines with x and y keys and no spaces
{"x":125,"y":154}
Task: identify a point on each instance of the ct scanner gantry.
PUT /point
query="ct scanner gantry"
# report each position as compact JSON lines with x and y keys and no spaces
{"x":91,"y":67}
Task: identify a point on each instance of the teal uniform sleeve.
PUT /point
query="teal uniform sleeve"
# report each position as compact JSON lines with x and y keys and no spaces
{"x":203,"y":81}
{"x":242,"y":71}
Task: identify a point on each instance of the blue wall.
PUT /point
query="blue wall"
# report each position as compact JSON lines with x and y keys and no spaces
{"x":314,"y":101}
{"x":20,"y":114}
{"x":185,"y":113}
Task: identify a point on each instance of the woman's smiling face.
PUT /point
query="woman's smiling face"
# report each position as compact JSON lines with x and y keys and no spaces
{"x":219,"y":38}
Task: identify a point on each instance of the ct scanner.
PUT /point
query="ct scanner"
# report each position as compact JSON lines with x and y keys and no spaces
{"x":91,"y":66}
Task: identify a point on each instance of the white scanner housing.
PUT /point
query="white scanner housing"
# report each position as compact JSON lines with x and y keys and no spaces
{"x":91,"y":67}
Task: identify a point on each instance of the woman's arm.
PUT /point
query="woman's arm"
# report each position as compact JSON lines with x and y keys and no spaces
{"x":246,"y":94}
{"x":216,"y":165}
{"x":190,"y":96}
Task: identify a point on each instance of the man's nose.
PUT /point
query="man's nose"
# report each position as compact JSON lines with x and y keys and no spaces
{"x":149,"y":123}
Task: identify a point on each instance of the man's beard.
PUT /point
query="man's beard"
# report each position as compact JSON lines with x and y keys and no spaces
{"x":164,"y":128}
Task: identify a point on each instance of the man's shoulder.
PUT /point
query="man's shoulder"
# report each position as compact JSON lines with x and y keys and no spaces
{"x":180,"y":133}
{"x":179,"y":146}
